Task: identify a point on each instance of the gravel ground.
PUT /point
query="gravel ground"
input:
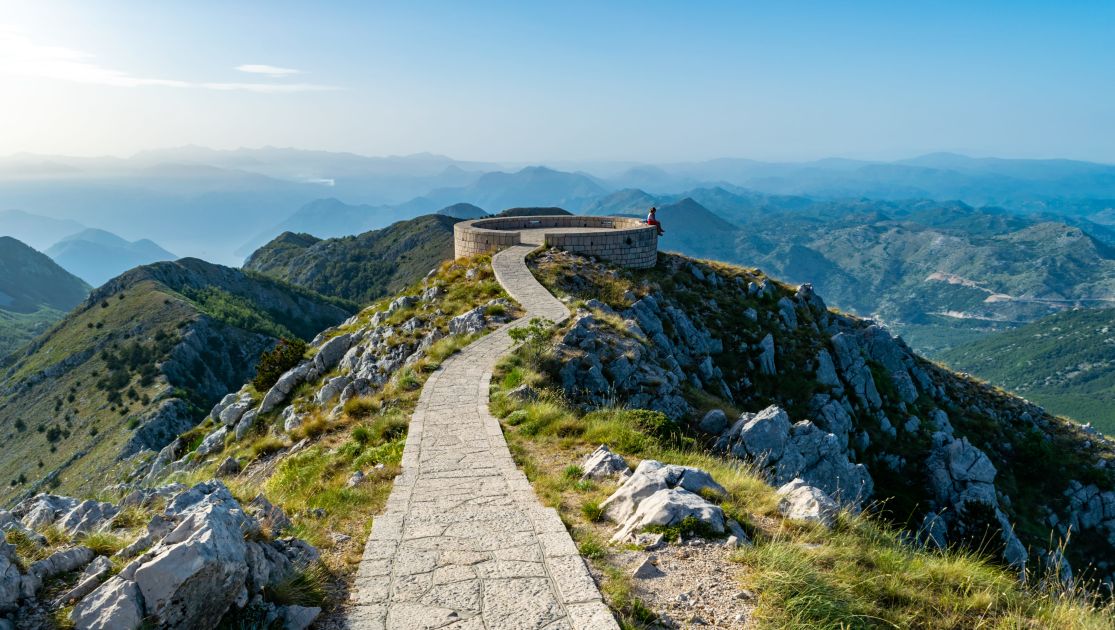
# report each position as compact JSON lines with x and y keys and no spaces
{"x":699,"y":588}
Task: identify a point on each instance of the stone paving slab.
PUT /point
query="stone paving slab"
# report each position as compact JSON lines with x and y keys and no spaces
{"x":464,"y":542}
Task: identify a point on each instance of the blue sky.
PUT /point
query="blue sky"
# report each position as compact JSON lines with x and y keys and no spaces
{"x":517,"y":81}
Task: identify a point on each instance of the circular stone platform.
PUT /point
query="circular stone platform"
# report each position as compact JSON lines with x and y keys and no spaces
{"x":621,"y":240}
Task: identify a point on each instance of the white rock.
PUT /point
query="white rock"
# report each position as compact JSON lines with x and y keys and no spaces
{"x":245,"y":424}
{"x":291,"y":419}
{"x":299,"y":617}
{"x":803,"y":502}
{"x":94,"y":573}
{"x":647,"y":569}
{"x":767,"y":355}
{"x":331,"y":352}
{"x":213,"y":443}
{"x":650,"y":477}
{"x":355,"y":479}
{"x":714,"y":422}
{"x":115,"y":605}
{"x":602,"y":463}
{"x":467,"y":323}
{"x":670,"y":507}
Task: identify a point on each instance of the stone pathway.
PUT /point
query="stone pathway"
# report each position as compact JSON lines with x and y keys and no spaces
{"x":464,"y":542}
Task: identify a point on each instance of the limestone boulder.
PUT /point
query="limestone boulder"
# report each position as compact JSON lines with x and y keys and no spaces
{"x":803,"y":502}
{"x":714,"y":422}
{"x":468,"y":323}
{"x":603,"y":463}
{"x":213,"y":443}
{"x":282,"y":388}
{"x":115,"y":605}
{"x":670,"y":507}
{"x":331,"y":352}
{"x":652,"y":477}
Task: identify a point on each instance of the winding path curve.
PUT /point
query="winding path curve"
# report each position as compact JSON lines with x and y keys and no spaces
{"x":464,"y":542}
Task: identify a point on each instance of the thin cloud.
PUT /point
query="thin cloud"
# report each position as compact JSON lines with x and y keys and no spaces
{"x":271,"y":71}
{"x":21,"y":56}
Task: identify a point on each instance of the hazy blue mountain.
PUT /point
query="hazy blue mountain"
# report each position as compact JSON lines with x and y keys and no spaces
{"x":696,"y":230}
{"x":626,"y":201}
{"x":531,"y":186}
{"x":737,"y":205}
{"x":653,"y":179}
{"x":328,"y":218}
{"x":463,"y":211}
{"x":96,"y":255}
{"x":937,"y":176}
{"x":37,"y":231}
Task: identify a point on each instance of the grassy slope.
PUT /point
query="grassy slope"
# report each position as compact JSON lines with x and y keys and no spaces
{"x":369,"y":431}
{"x":861,"y":574}
{"x":34,"y":293}
{"x":16,"y":329}
{"x":93,"y":425}
{"x":89,"y":425}
{"x":1064,"y":362}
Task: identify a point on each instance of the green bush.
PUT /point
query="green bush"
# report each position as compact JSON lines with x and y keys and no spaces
{"x":285,"y":355}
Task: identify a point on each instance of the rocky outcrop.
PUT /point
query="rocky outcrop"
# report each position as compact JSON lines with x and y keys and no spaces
{"x":212,"y":560}
{"x":962,"y":479}
{"x":866,"y":409}
{"x":800,"y":450}
{"x":10,"y":578}
{"x":71,"y":515}
{"x":161,"y":426}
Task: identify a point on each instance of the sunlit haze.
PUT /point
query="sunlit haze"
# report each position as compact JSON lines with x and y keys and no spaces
{"x":645,"y":81}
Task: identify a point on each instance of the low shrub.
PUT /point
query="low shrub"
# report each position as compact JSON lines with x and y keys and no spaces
{"x":274,"y":362}
{"x":361,"y":407}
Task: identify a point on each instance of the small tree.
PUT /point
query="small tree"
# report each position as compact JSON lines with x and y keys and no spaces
{"x":534,"y":338}
{"x":285,"y":355}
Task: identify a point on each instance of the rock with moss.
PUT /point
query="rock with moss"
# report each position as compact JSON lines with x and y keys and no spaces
{"x":683,"y":487}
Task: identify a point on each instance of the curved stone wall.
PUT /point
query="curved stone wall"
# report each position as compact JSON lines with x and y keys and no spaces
{"x":621,"y":240}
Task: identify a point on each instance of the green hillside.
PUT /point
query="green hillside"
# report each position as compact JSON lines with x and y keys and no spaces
{"x":1065,"y":362}
{"x":34,"y":293}
{"x":139,"y":361}
{"x":359,"y":268}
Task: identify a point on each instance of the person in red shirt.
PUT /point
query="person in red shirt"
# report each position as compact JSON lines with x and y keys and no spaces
{"x":652,"y":220}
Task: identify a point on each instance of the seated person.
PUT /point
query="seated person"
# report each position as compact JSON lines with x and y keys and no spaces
{"x":651,"y":220}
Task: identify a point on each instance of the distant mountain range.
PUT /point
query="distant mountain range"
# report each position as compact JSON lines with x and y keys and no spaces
{"x":463,"y":211}
{"x":1064,"y":362}
{"x":96,"y":255}
{"x":37,"y":231}
{"x":202,"y":202}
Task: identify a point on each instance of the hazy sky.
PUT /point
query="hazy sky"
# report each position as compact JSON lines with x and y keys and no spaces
{"x":518,"y":81}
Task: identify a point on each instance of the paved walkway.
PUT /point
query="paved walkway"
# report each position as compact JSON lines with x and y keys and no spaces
{"x":464,"y":542}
